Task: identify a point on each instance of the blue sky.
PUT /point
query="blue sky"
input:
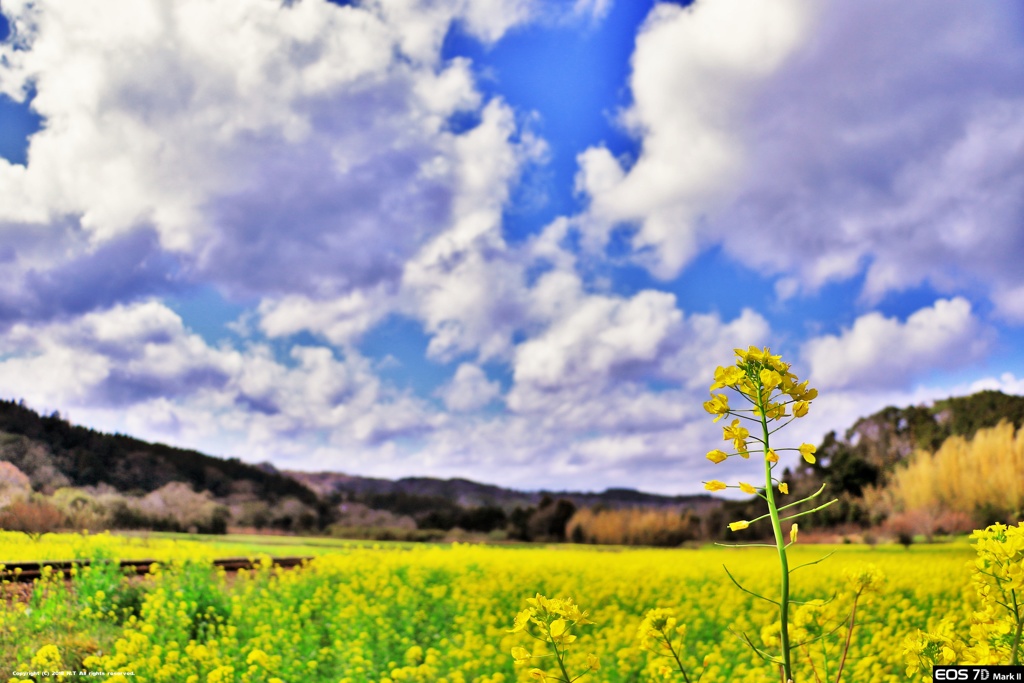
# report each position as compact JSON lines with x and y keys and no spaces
{"x":506,"y":240}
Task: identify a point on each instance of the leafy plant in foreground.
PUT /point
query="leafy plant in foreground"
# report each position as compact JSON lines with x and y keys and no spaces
{"x":774,"y":397}
{"x":997,"y":627}
{"x":551,"y":621}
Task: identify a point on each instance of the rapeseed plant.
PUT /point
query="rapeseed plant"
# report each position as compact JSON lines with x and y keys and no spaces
{"x":997,"y":575}
{"x":552,"y":622}
{"x":661,"y":633}
{"x":774,"y":397}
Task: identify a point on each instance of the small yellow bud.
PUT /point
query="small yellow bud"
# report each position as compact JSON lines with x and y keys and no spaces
{"x":793,"y":531}
{"x":784,"y":488}
{"x":736,"y":526}
{"x":747,"y":488}
{"x":716,"y":456}
{"x":715,"y":485}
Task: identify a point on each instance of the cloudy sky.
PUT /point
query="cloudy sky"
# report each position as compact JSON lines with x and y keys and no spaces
{"x":502,"y":239}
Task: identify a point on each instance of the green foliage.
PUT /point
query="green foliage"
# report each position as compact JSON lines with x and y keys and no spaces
{"x":55,"y":453}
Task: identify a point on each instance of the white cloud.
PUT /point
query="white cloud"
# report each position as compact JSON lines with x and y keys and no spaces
{"x":752,"y":138}
{"x":705,"y":339}
{"x":1007,"y":382}
{"x":885,"y":353}
{"x":137,"y":366}
{"x":693,"y":69}
{"x":341,"y":321}
{"x":466,"y":285}
{"x":589,"y":364}
{"x":469,"y":389}
{"x":910,"y":178}
{"x":275,"y":149}
{"x":600,"y":335}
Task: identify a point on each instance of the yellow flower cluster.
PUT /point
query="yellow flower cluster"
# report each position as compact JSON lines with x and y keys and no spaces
{"x":394,"y":614}
{"x":995,"y":635}
{"x":772,"y":393}
{"x":551,"y":621}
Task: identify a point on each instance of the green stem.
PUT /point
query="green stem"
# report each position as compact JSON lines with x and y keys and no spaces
{"x":849,"y":637}
{"x":675,"y":656}
{"x":558,"y":655}
{"x":780,"y":543}
{"x":1014,"y":653}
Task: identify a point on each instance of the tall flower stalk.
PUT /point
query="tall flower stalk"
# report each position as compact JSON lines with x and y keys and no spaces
{"x":773,"y":398}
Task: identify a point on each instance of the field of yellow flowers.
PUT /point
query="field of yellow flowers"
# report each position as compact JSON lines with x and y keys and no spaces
{"x":443,"y":614}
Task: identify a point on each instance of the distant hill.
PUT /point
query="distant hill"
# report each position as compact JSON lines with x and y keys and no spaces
{"x":54,"y":453}
{"x":468,"y":493}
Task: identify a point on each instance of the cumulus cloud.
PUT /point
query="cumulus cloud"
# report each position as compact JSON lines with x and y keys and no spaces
{"x":596,"y":350}
{"x":1007,"y":382}
{"x":41,"y":282}
{"x":600,"y":336}
{"x":466,"y":285}
{"x":692,"y":70}
{"x":910,"y":177}
{"x":882,"y":352}
{"x":275,"y":149}
{"x":139,"y":365}
{"x":342,"y":320}
{"x":753,"y":137}
{"x":469,"y":389}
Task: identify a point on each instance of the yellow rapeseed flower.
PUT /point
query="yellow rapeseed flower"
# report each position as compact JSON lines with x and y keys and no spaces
{"x":807,"y":450}
{"x":735,"y":431}
{"x":747,"y":488}
{"x":736,"y":526}
{"x":715,"y":485}
{"x":784,"y":488}
{"x":521,"y":654}
{"x":770,"y":379}
{"x":717,"y":406}
{"x":727,"y":377}
{"x":716,"y":456}
{"x":520,"y":621}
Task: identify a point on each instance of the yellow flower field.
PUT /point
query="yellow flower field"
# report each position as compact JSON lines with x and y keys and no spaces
{"x":443,"y":614}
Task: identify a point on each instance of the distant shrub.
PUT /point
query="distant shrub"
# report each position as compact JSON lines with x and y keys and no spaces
{"x":982,"y":478}
{"x":31,"y":517}
{"x":359,"y":515}
{"x":177,"y":507}
{"x":633,"y":526}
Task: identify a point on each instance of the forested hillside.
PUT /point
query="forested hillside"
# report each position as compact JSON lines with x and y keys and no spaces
{"x":54,"y":453}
